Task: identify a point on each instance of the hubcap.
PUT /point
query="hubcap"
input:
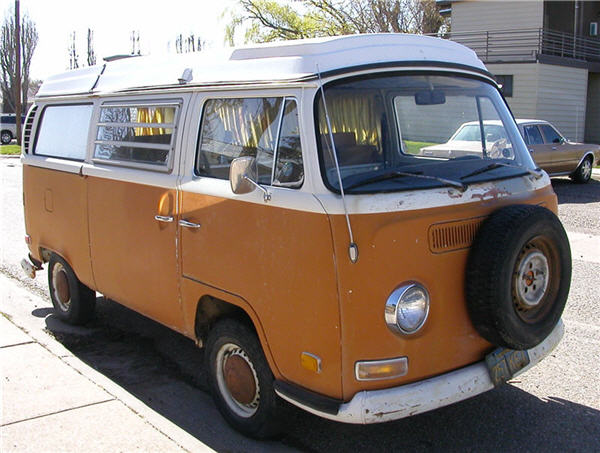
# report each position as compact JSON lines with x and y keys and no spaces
{"x":586,"y":169}
{"x":6,"y":138}
{"x":237,"y":380}
{"x":60,"y":285}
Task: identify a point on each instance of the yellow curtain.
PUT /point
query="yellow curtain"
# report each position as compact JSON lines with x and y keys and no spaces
{"x":160,"y":115}
{"x":248,"y":127}
{"x":357,"y":113}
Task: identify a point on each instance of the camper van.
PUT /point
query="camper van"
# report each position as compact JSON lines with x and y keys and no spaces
{"x":272,"y":204}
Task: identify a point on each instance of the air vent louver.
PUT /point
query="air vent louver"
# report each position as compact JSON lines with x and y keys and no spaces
{"x":456,"y":235}
{"x":27,"y":130}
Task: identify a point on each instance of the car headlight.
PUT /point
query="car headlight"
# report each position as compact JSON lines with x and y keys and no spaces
{"x":407,"y":308}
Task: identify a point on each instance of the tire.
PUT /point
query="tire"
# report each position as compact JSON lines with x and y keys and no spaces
{"x":73,"y":302}
{"x":583,"y":173}
{"x":518,"y":276}
{"x":241,"y":381}
{"x":6,"y":137}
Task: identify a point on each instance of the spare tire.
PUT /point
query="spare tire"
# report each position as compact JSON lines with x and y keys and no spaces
{"x":518,"y":276}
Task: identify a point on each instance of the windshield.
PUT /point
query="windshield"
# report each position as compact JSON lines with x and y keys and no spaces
{"x":398,"y":132}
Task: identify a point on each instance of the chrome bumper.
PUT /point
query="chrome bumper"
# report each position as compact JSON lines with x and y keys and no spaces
{"x":29,"y":267}
{"x":411,"y":399}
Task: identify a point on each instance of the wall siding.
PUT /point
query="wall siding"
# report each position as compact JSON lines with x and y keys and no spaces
{"x":547,"y":92}
{"x":496,"y":15}
{"x":523,"y":102}
{"x":592,"y":117}
{"x":562,"y":94}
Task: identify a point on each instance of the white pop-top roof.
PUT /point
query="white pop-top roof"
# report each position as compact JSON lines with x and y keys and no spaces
{"x":271,"y":62}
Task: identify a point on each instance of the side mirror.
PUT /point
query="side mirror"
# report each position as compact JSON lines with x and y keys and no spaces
{"x":241,"y":172}
{"x":242,"y":177}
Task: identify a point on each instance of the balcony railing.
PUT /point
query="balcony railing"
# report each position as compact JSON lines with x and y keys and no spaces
{"x":526,"y":44}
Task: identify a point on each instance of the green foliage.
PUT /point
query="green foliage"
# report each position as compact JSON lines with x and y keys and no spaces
{"x":267,"y":20}
{"x":10,"y":149}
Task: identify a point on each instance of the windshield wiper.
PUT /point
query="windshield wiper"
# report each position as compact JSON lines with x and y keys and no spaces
{"x":537,"y":174}
{"x":396,"y":174}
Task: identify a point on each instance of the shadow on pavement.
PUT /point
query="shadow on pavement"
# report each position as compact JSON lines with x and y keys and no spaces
{"x":165,"y":371}
{"x":570,"y":192}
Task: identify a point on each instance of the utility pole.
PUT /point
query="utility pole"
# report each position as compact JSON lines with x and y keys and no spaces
{"x":18,"y":97}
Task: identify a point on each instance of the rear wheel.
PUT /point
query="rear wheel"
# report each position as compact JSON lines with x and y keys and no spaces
{"x":241,"y":381}
{"x":6,"y":137}
{"x":73,"y":302}
{"x":583,"y":172}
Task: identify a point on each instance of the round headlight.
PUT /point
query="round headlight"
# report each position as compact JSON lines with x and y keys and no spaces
{"x":407,"y":308}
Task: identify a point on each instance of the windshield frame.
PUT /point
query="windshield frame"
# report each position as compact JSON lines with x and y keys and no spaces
{"x":505,"y":115}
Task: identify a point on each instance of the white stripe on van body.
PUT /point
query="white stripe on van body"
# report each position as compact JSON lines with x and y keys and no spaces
{"x":304,"y":199}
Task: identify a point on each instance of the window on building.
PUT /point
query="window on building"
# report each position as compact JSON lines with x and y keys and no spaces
{"x":506,"y":85}
{"x":264,"y":128}
{"x":141,"y":134}
{"x":63,"y":131}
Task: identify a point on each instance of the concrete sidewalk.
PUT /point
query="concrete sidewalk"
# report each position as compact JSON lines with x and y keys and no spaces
{"x":52,"y":401}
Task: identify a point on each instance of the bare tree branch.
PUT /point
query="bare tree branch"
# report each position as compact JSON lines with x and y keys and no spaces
{"x":29,"y":39}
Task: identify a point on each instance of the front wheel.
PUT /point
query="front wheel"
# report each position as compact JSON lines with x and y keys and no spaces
{"x":73,"y":302}
{"x":584,"y":172}
{"x":241,"y":381}
{"x":6,"y":137}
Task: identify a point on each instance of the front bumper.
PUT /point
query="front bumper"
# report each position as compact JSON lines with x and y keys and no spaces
{"x":411,"y":399}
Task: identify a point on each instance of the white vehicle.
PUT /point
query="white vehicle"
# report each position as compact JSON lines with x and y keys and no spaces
{"x":264,"y":202}
{"x":8,"y":127}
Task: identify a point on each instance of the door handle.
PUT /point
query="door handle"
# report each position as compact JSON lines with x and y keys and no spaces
{"x":187,"y":224}
{"x":554,"y":148}
{"x":163,"y":218}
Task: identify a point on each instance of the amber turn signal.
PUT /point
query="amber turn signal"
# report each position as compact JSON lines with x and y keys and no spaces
{"x":311,"y":362}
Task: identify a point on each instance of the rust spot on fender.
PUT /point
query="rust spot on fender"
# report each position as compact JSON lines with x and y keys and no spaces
{"x":455,"y":194}
{"x":494,"y":193}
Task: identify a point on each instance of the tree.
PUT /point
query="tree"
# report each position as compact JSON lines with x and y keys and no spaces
{"x":135,"y":43}
{"x":268,"y":20}
{"x":91,"y":55}
{"x":8,"y":73}
{"x":73,"y":55}
{"x":189,"y":43}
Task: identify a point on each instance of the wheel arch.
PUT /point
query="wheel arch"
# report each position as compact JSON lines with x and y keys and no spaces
{"x":215,"y":305}
{"x":587,"y":154}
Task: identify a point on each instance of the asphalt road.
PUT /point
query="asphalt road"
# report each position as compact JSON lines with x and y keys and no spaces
{"x":553,"y":407}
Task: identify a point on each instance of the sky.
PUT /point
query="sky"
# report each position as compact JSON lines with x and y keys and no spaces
{"x":112,"y":21}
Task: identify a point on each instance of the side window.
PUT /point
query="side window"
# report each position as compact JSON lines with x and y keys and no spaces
{"x":533,"y":136}
{"x":138,"y":133}
{"x":233,"y":128}
{"x":550,"y":134}
{"x":63,"y":131}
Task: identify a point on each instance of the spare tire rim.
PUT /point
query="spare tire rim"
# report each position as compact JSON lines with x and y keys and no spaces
{"x":535,"y":278}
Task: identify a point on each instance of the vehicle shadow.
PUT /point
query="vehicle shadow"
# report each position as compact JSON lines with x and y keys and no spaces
{"x":570,"y":192}
{"x":165,"y":371}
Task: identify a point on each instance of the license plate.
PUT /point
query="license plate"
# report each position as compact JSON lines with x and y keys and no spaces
{"x":503,"y":363}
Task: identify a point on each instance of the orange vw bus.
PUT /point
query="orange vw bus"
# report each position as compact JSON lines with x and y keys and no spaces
{"x":273,"y":203}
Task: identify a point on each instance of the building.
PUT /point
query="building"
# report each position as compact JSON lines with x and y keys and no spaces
{"x":546,"y":54}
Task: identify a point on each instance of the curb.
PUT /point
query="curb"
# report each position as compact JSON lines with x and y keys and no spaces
{"x":156,"y":421}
